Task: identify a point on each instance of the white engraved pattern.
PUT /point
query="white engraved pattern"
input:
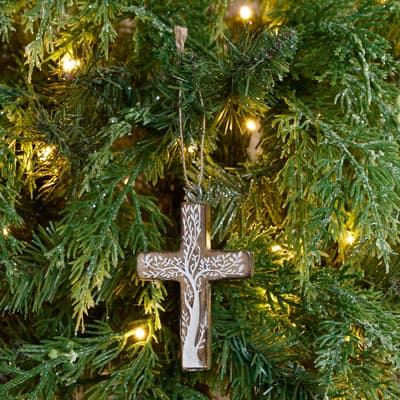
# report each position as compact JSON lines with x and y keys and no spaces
{"x":194,"y":266}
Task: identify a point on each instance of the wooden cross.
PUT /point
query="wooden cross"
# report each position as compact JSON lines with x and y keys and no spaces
{"x":194,"y":266}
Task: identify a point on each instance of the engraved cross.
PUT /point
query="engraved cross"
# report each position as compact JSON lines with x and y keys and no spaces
{"x":194,"y":266}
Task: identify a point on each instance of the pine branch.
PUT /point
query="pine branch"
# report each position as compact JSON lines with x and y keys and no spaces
{"x":90,"y":174}
{"x":94,"y":247}
{"x":361,"y":333}
{"x":61,"y":362}
{"x":326,"y":165}
{"x":36,"y":275}
{"x":43,"y":11}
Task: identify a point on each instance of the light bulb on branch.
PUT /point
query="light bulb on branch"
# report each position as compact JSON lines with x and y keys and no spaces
{"x":254,"y":149}
{"x":346,"y":241}
{"x":276,"y":248}
{"x":45,"y":152}
{"x":350,"y":238}
{"x":69,"y":65}
{"x":138,"y":333}
{"x":191,"y":149}
{"x":245,"y":12}
{"x":251,"y":125}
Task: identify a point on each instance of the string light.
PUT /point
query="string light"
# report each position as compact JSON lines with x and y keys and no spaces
{"x":245,"y":12}
{"x":350,"y":238}
{"x":251,"y":125}
{"x":5,"y":231}
{"x":138,"y":333}
{"x":44,"y":153}
{"x":191,"y":149}
{"x":276,"y":248}
{"x":69,"y":64}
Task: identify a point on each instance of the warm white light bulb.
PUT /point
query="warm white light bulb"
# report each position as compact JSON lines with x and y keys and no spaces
{"x":44,"y":153}
{"x":69,"y":64}
{"x":245,"y":12}
{"x":251,"y":125}
{"x":5,"y":231}
{"x":191,"y":149}
{"x":139,"y":333}
{"x":350,"y":238}
{"x":275,"y":248}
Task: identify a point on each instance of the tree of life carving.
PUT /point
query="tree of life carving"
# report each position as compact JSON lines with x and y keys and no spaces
{"x":194,"y":266}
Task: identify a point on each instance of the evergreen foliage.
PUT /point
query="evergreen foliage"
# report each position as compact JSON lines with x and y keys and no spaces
{"x":91,"y":175}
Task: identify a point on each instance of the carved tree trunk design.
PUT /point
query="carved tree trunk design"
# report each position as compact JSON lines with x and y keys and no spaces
{"x":191,"y":340}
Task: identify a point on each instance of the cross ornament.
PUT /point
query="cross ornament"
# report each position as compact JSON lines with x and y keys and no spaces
{"x":194,"y":266}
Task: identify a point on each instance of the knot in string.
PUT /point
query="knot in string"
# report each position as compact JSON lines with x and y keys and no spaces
{"x":193,"y":193}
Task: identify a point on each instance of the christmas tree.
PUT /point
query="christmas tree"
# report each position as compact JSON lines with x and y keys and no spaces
{"x":282,"y":115}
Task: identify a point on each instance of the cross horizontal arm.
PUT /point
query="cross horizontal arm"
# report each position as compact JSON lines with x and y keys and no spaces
{"x":226,"y":265}
{"x":163,"y":266}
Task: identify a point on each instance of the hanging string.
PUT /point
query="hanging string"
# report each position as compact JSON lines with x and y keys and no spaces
{"x":193,"y":192}
{"x":180,"y":118}
{"x":203,"y":134}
